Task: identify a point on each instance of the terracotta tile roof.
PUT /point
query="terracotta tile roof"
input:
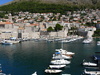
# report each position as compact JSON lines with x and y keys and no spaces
{"x":8,"y":23}
{"x":5,"y":23}
{"x":34,"y":24}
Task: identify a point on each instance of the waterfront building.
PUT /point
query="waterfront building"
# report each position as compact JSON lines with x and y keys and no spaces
{"x":86,"y":31}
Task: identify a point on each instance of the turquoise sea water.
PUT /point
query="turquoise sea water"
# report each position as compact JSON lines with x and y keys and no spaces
{"x":27,"y":57}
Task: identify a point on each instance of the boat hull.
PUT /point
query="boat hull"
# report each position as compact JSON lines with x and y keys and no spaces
{"x":52,"y":71}
{"x":89,"y":64}
{"x":59,"y":62}
{"x":6,"y":43}
{"x":57,"y":66}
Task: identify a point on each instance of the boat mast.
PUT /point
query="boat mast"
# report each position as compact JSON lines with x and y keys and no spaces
{"x":62,"y":45}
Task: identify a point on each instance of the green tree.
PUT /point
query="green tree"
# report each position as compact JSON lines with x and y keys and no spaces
{"x":58,"y":27}
{"x":6,"y":17}
{"x":49,"y":29}
{"x":97,"y":33}
{"x":73,"y":31}
{"x":2,"y":15}
{"x":94,"y":1}
{"x":90,"y":24}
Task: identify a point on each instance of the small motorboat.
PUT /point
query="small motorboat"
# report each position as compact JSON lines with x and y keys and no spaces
{"x":35,"y":73}
{"x":92,"y":72}
{"x":60,"y":56}
{"x":87,"y":41}
{"x":60,"y":61}
{"x":57,"y":66}
{"x":98,"y":42}
{"x":5,"y":42}
{"x":62,"y":51}
{"x":89,"y":64}
{"x":53,"y":71}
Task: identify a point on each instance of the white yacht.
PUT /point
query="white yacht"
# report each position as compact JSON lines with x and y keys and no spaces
{"x":61,"y":61}
{"x":57,"y":66}
{"x":13,"y":41}
{"x":61,"y":57}
{"x":52,"y":71}
{"x":89,"y":64}
{"x":62,"y":51}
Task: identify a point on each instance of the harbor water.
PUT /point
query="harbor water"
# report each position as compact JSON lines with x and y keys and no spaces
{"x":27,"y":57}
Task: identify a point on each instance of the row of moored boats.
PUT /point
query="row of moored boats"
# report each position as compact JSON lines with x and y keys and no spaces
{"x":60,"y":59}
{"x":9,"y":42}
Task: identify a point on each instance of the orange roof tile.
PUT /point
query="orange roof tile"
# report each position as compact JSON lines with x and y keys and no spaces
{"x":8,"y":23}
{"x":35,"y":24}
{"x":5,"y":23}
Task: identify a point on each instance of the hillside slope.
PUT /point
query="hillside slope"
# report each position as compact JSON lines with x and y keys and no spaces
{"x":73,"y":2}
{"x":65,"y":1}
{"x":42,"y":6}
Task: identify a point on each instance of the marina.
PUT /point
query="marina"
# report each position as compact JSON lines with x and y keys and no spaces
{"x":36,"y":39}
{"x":28,"y":57}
